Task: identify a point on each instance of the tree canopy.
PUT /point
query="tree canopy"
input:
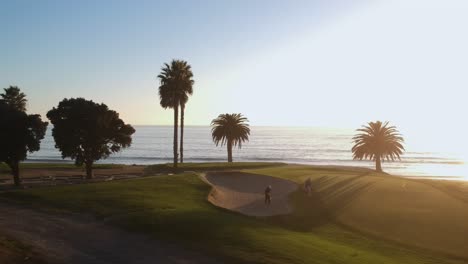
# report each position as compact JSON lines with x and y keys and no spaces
{"x":86,"y":131}
{"x":20,"y":133}
{"x":15,"y":98}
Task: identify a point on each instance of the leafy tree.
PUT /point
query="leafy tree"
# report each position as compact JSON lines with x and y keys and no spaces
{"x":378,"y":141}
{"x":20,"y":133}
{"x":175,"y":86}
{"x":86,"y":131}
{"x":230,"y":129}
{"x":15,"y":98}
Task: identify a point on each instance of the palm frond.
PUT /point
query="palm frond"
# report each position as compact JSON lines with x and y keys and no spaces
{"x":378,"y":139}
{"x":176,"y":84}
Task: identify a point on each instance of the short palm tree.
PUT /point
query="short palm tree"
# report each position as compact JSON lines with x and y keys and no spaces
{"x":230,"y":130}
{"x":175,"y":86}
{"x":377,"y":141}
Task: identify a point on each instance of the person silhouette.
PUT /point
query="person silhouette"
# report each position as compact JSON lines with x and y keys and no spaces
{"x":268,"y":195}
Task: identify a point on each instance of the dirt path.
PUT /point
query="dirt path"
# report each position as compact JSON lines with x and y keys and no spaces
{"x":76,"y":239}
{"x":244,"y":193}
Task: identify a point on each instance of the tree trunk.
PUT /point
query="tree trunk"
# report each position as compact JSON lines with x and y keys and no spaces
{"x":182,"y":110}
{"x":378,"y":164}
{"x":14,"y":166}
{"x":89,"y":170}
{"x":229,"y":149}
{"x":176,"y":128}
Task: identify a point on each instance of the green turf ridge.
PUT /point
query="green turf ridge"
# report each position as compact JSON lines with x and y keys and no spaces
{"x":174,"y":207}
{"x":212,"y":166}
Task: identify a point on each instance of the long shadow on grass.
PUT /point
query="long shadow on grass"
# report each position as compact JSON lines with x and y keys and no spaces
{"x":218,"y":232}
{"x":312,"y":211}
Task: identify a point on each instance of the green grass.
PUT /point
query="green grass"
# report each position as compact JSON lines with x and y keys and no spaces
{"x":168,"y":167}
{"x":175,"y":208}
{"x":299,"y":173}
{"x":12,"y":251}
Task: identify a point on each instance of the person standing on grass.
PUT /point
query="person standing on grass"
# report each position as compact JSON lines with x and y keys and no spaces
{"x":268,"y":195}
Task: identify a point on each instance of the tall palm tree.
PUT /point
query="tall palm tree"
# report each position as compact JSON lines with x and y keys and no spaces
{"x":175,"y":86}
{"x":230,"y":129}
{"x":377,"y":141}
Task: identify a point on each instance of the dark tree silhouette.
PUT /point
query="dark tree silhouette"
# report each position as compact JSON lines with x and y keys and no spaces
{"x":86,"y":131}
{"x":183,"y":101}
{"x":175,"y":86}
{"x":377,"y":141}
{"x":230,"y":129}
{"x":15,"y":98}
{"x":19,"y":134}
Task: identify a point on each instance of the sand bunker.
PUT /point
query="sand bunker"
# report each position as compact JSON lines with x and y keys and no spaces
{"x":244,"y":193}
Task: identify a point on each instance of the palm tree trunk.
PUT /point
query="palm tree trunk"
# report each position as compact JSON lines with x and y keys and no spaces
{"x":14,"y":166}
{"x":182,"y":110}
{"x":378,"y":164}
{"x":229,"y":150}
{"x":176,"y":128}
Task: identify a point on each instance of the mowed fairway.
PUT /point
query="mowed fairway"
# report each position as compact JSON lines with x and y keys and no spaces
{"x":175,"y":208}
{"x":412,"y":212}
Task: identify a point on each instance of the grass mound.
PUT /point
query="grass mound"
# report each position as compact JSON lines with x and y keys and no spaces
{"x":214,"y":166}
{"x":405,"y":211}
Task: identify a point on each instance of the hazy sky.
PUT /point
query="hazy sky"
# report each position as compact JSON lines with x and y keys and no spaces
{"x":300,"y":63}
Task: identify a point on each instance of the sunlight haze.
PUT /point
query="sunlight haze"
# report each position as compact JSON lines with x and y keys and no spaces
{"x":244,"y":131}
{"x":310,"y":63}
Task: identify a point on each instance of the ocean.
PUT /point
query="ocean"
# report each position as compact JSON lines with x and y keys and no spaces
{"x":317,"y":146}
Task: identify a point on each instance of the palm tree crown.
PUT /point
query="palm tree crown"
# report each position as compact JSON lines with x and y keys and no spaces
{"x":378,"y":141}
{"x":230,"y":130}
{"x":176,"y":84}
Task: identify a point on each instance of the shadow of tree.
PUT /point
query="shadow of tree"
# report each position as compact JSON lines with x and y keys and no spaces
{"x":329,"y":196}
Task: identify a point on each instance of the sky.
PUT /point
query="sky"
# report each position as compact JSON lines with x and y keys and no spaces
{"x":281,"y":63}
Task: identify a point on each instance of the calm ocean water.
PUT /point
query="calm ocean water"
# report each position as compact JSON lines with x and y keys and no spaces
{"x":153,"y":144}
